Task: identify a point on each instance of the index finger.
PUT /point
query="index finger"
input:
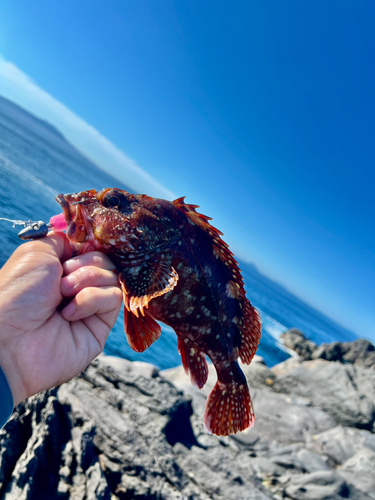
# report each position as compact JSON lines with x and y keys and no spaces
{"x":96,"y":259}
{"x":56,"y":244}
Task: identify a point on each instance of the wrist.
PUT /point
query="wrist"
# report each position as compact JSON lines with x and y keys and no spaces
{"x":6,"y":399}
{"x":13,"y":380}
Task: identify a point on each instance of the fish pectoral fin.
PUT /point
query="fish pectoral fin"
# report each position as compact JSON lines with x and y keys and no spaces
{"x":141,"y":331}
{"x":193,"y":361}
{"x":142,"y":283}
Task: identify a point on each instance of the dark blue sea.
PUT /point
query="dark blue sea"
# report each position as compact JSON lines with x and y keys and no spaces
{"x":36,"y":163}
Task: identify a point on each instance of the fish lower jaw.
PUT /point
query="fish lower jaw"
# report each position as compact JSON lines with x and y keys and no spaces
{"x":90,"y":245}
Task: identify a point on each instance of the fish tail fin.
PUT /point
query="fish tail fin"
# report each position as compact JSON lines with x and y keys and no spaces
{"x":228,"y":407}
{"x":141,"y":331}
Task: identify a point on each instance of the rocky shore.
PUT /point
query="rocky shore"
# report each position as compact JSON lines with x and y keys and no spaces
{"x":124,"y":430}
{"x":360,"y":352}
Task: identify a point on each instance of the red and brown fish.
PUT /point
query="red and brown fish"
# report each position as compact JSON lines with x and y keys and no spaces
{"x":175,"y":268}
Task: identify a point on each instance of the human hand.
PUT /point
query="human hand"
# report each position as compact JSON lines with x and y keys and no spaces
{"x":42,"y":346}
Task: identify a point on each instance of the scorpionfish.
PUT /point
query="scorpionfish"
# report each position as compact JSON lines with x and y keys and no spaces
{"x":174,"y":267}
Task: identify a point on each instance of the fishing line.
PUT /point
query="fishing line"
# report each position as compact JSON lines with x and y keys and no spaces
{"x":32,"y":230}
{"x":18,"y":222}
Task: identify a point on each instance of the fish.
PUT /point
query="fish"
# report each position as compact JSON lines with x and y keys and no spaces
{"x":174,"y":267}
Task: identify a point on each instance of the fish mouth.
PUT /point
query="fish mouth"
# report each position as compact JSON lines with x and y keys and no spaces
{"x":60,"y":198}
{"x":76,"y":227}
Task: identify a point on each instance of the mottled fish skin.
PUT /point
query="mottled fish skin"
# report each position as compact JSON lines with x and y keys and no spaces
{"x":175,"y":268}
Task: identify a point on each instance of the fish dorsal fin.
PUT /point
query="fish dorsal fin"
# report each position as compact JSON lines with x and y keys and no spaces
{"x":249,"y":324}
{"x":144,"y":282}
{"x":199,"y":219}
{"x":220,"y":248}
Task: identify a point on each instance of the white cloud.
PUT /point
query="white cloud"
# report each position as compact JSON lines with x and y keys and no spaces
{"x":21,"y":89}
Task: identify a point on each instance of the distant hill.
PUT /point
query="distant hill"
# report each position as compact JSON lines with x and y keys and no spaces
{"x":31,"y":122}
{"x":41,"y":129}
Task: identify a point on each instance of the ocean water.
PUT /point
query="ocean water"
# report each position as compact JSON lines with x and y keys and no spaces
{"x":36,"y":163}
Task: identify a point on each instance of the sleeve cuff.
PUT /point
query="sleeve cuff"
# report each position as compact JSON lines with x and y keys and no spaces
{"x":6,"y":400}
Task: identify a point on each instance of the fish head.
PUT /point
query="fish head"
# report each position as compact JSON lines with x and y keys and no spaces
{"x":116,"y":222}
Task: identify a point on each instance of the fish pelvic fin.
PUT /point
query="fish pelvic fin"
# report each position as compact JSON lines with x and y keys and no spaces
{"x":193,"y":361}
{"x":229,"y":408}
{"x":141,"y":331}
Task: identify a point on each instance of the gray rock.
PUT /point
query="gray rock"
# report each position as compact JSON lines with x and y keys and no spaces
{"x":311,"y":462}
{"x":114,"y":434}
{"x":331,"y":352}
{"x":125,"y":366}
{"x":297,"y":458}
{"x":179,"y":378}
{"x":363,"y":460}
{"x":97,"y":487}
{"x":342,"y":443}
{"x":298,"y":406}
{"x":219,"y":474}
{"x":124,"y":430}
{"x":266,"y":468}
{"x":279,"y":417}
{"x":360,"y":352}
{"x":44,"y":429}
{"x":322,"y":485}
{"x":359,"y":470}
{"x":295,"y":340}
{"x":317,"y":485}
{"x":286,"y":366}
{"x":285,"y":419}
{"x":361,"y":480}
{"x":346,"y":392}
{"x":258,"y":374}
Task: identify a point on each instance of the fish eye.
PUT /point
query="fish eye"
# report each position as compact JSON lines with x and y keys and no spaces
{"x":113,"y":202}
{"x":115,"y":199}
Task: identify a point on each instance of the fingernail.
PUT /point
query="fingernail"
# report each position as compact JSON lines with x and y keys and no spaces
{"x":72,"y":264}
{"x":69,"y":310}
{"x":69,"y":282}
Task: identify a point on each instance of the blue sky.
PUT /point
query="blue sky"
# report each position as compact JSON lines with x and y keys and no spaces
{"x":261,"y":112}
